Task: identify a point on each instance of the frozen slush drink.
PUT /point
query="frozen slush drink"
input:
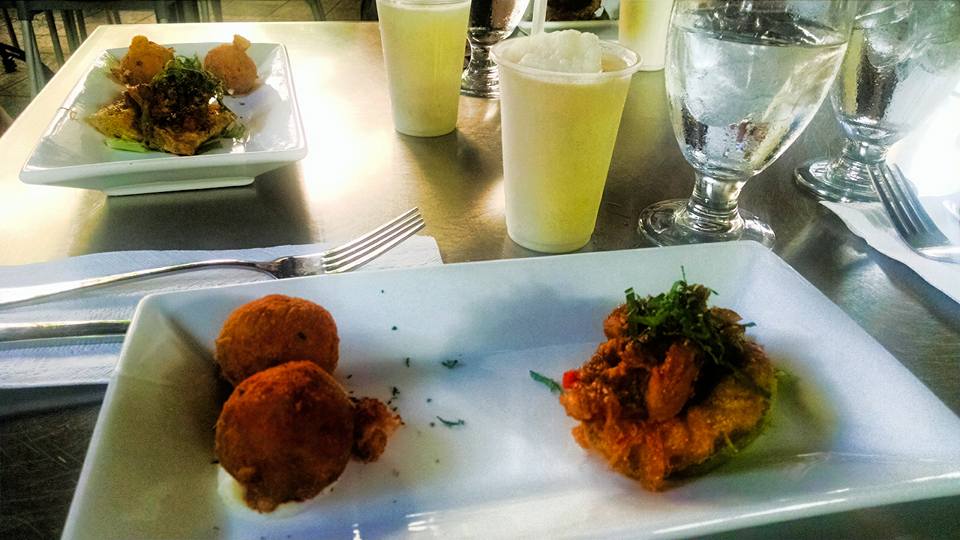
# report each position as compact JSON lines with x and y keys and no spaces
{"x":559,"y":130}
{"x":643,"y":28}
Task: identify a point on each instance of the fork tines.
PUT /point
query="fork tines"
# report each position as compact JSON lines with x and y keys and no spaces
{"x":907,"y":213}
{"x":371,"y":245}
{"x":909,"y":217}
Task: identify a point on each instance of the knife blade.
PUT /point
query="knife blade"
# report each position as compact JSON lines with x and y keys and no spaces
{"x":62,"y":329}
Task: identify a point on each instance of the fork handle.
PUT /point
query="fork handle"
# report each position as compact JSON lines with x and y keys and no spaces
{"x":31,"y":294}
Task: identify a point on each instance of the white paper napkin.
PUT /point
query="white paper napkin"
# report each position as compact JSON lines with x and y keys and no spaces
{"x":870,"y":222}
{"x":32,"y":364}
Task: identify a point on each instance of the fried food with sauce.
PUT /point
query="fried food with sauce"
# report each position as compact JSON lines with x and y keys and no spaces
{"x":272,"y":330}
{"x":118,"y":120}
{"x":285,"y":434}
{"x":231,"y":63}
{"x":373,"y":425}
{"x":676,"y":388}
{"x":143,"y":61}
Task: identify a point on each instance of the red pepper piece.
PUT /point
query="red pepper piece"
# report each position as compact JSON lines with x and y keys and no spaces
{"x":570,"y":378}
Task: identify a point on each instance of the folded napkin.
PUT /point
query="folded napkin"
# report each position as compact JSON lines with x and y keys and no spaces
{"x":870,"y":222}
{"x":35,"y":364}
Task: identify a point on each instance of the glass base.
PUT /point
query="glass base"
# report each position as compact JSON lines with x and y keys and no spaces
{"x":815,"y":178}
{"x":483,"y":83}
{"x":663,"y":224}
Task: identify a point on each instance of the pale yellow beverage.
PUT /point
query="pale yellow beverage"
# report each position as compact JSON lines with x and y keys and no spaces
{"x":423,"y":48}
{"x":559,"y":131}
{"x":643,"y":28}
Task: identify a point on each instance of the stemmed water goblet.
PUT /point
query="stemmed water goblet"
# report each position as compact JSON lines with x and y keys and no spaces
{"x":903,"y":59}
{"x":743,"y":80}
{"x":491,"y":21}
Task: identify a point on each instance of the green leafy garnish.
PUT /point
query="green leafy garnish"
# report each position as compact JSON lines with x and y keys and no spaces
{"x":682,"y":312}
{"x":450,"y":364}
{"x":451,"y":423}
{"x":546,"y":381}
{"x":125,"y":144}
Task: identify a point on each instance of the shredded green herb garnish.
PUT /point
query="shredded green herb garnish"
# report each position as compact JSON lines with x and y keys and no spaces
{"x":126,"y":145}
{"x":682,"y":312}
{"x":553,"y":385}
{"x":450,"y":364}
{"x":452,"y":423}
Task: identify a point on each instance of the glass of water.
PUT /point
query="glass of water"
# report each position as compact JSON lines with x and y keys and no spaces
{"x":902,"y":61}
{"x":743,"y":80}
{"x":491,"y":21}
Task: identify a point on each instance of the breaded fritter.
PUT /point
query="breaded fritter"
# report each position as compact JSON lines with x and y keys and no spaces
{"x":372,"y":426}
{"x":144,"y":59}
{"x":231,"y":63}
{"x":285,"y":434}
{"x":272,"y":330}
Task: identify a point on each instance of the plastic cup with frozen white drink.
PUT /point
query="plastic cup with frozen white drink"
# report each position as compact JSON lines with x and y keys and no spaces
{"x":643,"y":27}
{"x":423,"y":48}
{"x":562,"y":95}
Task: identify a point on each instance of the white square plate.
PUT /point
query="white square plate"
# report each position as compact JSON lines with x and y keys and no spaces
{"x":851,"y":428}
{"x":72,"y":153}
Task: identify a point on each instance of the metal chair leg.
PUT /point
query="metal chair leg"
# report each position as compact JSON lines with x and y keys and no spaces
{"x":54,"y":36}
{"x":317,"y":9}
{"x":217,"y":10}
{"x":81,"y":24}
{"x":70,"y":28}
{"x":10,"y":32}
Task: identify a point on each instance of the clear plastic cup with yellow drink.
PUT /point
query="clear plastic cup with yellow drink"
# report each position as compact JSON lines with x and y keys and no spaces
{"x":423,"y":48}
{"x":559,"y":125}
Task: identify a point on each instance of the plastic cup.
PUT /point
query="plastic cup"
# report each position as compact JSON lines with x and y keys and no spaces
{"x":423,"y":48}
{"x":559,"y":131}
{"x":643,"y":28}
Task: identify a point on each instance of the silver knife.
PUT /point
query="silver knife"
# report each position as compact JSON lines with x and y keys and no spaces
{"x":62,"y":329}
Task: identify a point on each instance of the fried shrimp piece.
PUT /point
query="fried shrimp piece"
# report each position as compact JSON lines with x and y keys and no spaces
{"x":233,"y":66}
{"x":373,"y":425}
{"x":272,"y":330}
{"x":144,"y":59}
{"x":676,"y":388}
{"x":724,"y":421}
{"x":285,"y":434}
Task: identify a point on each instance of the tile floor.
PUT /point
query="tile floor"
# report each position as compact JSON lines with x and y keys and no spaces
{"x":15,"y":89}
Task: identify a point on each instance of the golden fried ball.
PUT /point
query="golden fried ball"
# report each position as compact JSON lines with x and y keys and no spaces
{"x":144,"y":59}
{"x":285,"y":434}
{"x":233,"y":66}
{"x":273,"y":330}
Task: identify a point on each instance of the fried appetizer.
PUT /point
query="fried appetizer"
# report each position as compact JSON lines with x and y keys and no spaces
{"x":181,"y":109}
{"x":285,"y":434}
{"x":675,"y":389}
{"x":273,"y":330}
{"x":373,"y":423}
{"x":118,"y":120}
{"x":143,"y":61}
{"x":231,"y":63}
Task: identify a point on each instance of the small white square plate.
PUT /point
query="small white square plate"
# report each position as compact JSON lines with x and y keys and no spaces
{"x":851,"y":428}
{"x":72,"y":153}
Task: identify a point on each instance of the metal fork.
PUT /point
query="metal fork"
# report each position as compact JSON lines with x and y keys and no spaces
{"x":344,"y":258}
{"x":908,"y":216}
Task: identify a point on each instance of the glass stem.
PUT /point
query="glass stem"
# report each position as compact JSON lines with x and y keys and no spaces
{"x":855,"y":160}
{"x":712,"y":208}
{"x":480,"y":61}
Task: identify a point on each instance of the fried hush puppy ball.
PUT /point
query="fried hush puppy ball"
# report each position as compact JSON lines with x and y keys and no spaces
{"x":285,"y":434}
{"x":373,"y":424}
{"x":144,"y":59}
{"x":273,"y":330}
{"x":233,"y":66}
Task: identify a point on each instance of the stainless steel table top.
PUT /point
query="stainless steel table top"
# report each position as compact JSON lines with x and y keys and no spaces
{"x":360,"y":172}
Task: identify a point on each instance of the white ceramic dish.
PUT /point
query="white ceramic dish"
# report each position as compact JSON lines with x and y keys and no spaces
{"x":852,"y":427}
{"x":72,"y":153}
